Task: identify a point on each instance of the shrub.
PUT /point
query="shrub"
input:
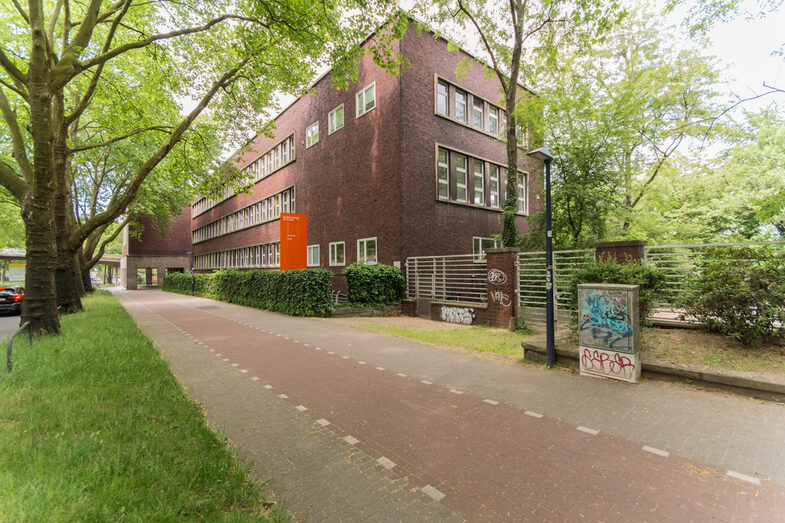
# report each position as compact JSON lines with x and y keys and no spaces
{"x":296,"y":292}
{"x":739,"y":292}
{"x":650,"y":281}
{"x":374,"y":284}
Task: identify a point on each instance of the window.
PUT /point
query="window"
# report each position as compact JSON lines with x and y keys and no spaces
{"x":285,"y":199}
{"x":493,"y":120}
{"x":443,"y":178}
{"x":285,"y":152}
{"x":460,"y":106}
{"x":337,"y":253}
{"x":335,"y":119}
{"x":478,"y":112}
{"x":366,"y":99}
{"x":277,"y":154}
{"x":522,"y":192}
{"x":366,"y":251}
{"x":460,"y":177}
{"x":479,"y":183}
{"x":441,"y":98}
{"x":313,"y":256}
{"x":493,"y":183}
{"x":312,"y":134}
{"x":291,"y":147}
{"x":480,"y":245}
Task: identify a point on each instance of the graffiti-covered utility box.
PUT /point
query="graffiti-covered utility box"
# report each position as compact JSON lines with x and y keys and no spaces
{"x":609,"y":331}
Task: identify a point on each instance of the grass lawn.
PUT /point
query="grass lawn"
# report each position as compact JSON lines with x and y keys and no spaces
{"x":94,"y":427}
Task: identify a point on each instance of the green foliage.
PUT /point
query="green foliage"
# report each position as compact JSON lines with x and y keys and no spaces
{"x":298,"y":292}
{"x":739,"y":292}
{"x":374,"y":285}
{"x":651,"y":282}
{"x":96,"y":428}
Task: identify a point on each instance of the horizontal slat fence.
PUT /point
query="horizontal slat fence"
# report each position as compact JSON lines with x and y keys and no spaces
{"x":458,"y":277}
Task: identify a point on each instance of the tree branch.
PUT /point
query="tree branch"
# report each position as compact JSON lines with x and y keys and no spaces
{"x":19,"y":149}
{"x":118,"y":139}
{"x":11,"y":69}
{"x":485,"y":42}
{"x":21,"y":11}
{"x":11,"y":180}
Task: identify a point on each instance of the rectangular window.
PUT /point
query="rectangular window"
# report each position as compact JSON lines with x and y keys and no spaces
{"x":285,"y":152}
{"x":480,"y":245}
{"x":493,"y":182}
{"x":460,"y":177}
{"x":263,"y":167}
{"x":277,"y":156}
{"x":493,"y":120}
{"x":479,"y":183}
{"x":313,"y":256}
{"x":291,"y":200}
{"x":277,"y":199}
{"x":337,"y":253}
{"x":443,"y":175}
{"x":285,"y":203}
{"x":441,"y":98}
{"x":460,"y":106}
{"x":291,"y":148}
{"x":335,"y":119}
{"x":312,"y":134}
{"x":366,"y":99}
{"x":277,"y":254}
{"x":264,"y":210}
{"x":522,"y":192}
{"x":366,"y":251}
{"x":478,"y":113}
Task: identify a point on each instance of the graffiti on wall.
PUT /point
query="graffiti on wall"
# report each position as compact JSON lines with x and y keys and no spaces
{"x":605,"y":315}
{"x":497,"y":277}
{"x":462,"y":315}
{"x":501,"y":298}
{"x":609,"y":363}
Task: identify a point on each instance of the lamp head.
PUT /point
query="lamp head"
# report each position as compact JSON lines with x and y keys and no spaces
{"x":542,"y":154}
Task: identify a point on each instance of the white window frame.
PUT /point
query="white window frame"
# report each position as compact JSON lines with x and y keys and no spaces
{"x":475,"y":176}
{"x":481,"y":102}
{"x":465,"y":184}
{"x":491,"y":192}
{"x":362,"y":253}
{"x":465,"y":106}
{"x":493,"y":118}
{"x":332,"y":115}
{"x":309,"y":134}
{"x":522,"y":196}
{"x":446,"y":166}
{"x":311,"y":250}
{"x":360,"y":108}
{"x":445,"y":97}
{"x":478,"y":241}
{"x":333,"y":259}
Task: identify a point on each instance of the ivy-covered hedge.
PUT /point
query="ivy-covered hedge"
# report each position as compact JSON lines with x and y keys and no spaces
{"x":297,"y":292}
{"x":739,"y":292}
{"x":651,"y":282}
{"x":374,"y":285}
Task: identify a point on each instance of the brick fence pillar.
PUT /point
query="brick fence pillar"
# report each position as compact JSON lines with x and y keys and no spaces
{"x":622,"y":251}
{"x":502,"y":286}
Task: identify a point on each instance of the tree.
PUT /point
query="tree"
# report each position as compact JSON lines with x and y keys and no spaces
{"x":506,"y":30}
{"x":234,"y":56}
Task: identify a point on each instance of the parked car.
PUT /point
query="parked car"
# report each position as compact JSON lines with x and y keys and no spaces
{"x":11,"y":299}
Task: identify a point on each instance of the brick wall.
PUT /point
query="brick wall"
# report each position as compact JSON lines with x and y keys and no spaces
{"x":174,"y":241}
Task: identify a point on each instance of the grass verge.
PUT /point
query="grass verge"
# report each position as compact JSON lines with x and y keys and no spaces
{"x":478,"y":339}
{"x":93,"y":426}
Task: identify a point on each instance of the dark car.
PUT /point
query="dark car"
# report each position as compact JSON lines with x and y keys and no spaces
{"x":11,"y":299}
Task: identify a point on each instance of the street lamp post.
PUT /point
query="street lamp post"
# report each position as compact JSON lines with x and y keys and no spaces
{"x":550,"y":345}
{"x":193,"y":277}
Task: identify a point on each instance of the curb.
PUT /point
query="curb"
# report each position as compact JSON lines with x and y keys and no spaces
{"x":762,"y":386}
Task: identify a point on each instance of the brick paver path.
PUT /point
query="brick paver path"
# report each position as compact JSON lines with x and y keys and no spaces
{"x":351,"y":424}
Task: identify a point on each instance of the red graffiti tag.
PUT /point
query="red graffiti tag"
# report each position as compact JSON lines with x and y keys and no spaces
{"x":602,"y":362}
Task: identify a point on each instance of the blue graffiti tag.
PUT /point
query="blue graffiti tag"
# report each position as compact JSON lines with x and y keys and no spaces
{"x":606,"y":317}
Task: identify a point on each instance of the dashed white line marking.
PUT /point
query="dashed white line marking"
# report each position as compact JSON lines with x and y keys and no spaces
{"x":663,"y":453}
{"x":218,"y":354}
{"x":401,"y":375}
{"x":255,"y":378}
{"x":455,"y":391}
{"x":235,"y":365}
{"x":283,"y":396}
{"x":301,"y":408}
{"x":587,"y":430}
{"x":330,"y":352}
{"x":743,"y":477}
{"x":226,"y":359}
{"x":211,"y":350}
{"x":286,"y":337}
{"x":386,"y":463}
{"x":379,"y":368}
{"x":433,"y":492}
{"x":318,"y":348}
{"x":361,"y":362}
{"x":244,"y":371}
{"x":306,"y":345}
{"x":427,"y":382}
{"x":533,"y":414}
{"x":268,"y":387}
{"x":351,"y":440}
{"x":344,"y":357}
{"x":492,"y":402}
{"x":323,"y":422}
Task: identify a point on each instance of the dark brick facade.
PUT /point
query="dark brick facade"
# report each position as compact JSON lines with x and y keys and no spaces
{"x":176,"y":241}
{"x":621,"y":251}
{"x":376,"y":176}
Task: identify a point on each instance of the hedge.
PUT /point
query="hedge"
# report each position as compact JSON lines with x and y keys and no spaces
{"x":374,"y":285}
{"x":297,"y":292}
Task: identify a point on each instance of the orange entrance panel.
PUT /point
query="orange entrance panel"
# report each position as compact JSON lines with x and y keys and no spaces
{"x":294,"y":241}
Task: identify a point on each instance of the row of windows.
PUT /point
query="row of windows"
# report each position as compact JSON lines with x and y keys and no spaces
{"x":266,"y":255}
{"x":467,"y":108}
{"x":366,"y":253}
{"x":364,"y":102}
{"x":276,"y":158}
{"x":465,"y":179}
{"x":203,"y":204}
{"x":262,"y":211}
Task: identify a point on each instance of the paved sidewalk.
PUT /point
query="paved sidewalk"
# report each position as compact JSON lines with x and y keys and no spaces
{"x":499,"y":441}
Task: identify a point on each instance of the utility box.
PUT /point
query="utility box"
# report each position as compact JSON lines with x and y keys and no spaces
{"x":609,"y":331}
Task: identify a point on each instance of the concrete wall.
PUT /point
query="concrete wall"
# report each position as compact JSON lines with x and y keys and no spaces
{"x":130,"y":264}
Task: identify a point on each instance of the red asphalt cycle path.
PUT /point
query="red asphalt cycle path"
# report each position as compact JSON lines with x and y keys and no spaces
{"x":491,"y":461}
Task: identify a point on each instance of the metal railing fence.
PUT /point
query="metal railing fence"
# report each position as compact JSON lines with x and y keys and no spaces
{"x":459,"y":277}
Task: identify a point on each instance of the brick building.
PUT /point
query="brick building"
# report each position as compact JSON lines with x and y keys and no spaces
{"x":395,"y":166}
